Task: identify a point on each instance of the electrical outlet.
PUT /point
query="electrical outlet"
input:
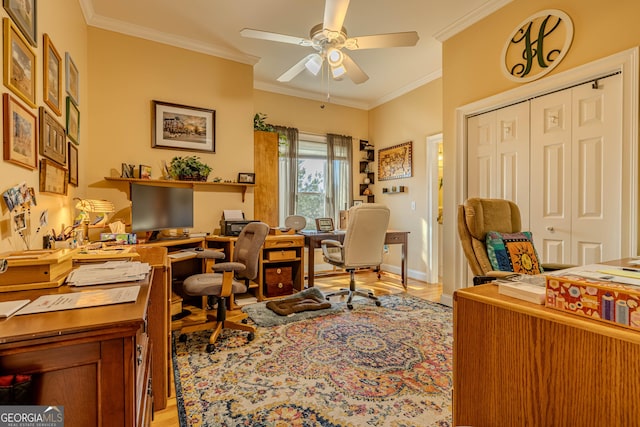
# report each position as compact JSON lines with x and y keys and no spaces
{"x":413,"y":205}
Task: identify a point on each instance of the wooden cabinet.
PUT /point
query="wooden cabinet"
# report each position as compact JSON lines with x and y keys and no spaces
{"x":518,"y":363}
{"x":265,"y":196}
{"x":279,"y":251}
{"x":96,"y":362}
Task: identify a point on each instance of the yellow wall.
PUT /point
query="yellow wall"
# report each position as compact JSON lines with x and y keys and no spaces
{"x":471,"y":72}
{"x":64,"y":23}
{"x":411,"y":117}
{"x":127,"y":73}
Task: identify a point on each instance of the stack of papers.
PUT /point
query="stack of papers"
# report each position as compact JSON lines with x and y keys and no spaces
{"x":84,"y":299}
{"x":108,"y":272}
{"x":522,"y":290}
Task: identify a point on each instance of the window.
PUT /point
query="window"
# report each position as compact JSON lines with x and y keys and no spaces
{"x":316,"y":194}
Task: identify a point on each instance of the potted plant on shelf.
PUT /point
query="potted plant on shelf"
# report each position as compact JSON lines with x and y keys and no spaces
{"x":189,"y":168}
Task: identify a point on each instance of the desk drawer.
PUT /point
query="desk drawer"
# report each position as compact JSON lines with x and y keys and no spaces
{"x":278,"y":281}
{"x":287,"y":242}
{"x":395,"y":238}
{"x":281,"y":255}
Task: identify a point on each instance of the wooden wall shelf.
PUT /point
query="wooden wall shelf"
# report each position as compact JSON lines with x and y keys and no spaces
{"x":196,"y":185}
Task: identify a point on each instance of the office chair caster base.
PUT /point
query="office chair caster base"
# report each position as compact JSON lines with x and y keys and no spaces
{"x":350,"y":306}
{"x":251,"y":336}
{"x":182,"y":338}
{"x":244,"y":321}
{"x":378,"y":303}
{"x":210,"y":348}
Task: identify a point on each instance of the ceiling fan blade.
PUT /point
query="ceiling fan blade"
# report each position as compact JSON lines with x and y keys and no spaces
{"x":296,"y":69}
{"x":274,"y":37}
{"x":334,"y":13}
{"x":354,"y":72}
{"x":409,"y":38}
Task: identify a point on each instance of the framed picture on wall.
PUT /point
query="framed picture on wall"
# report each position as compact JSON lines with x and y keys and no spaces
{"x":181,"y":127}
{"x":73,"y":79}
{"x":73,"y":164}
{"x":20,"y":133}
{"x":53,"y":138}
{"x":53,"y":177}
{"x":73,"y":121}
{"x":395,"y":162}
{"x":52,"y":81}
{"x":23,"y":13}
{"x":19,"y":64}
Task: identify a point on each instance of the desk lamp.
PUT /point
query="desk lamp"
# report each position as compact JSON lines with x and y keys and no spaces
{"x":86,"y":206}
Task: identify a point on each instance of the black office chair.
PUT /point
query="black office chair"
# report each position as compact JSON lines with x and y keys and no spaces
{"x":229,"y":278}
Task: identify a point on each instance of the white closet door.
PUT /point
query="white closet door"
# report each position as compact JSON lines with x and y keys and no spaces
{"x":498,"y":156}
{"x":576,"y":185}
{"x":596,"y":221}
{"x":551,"y":176}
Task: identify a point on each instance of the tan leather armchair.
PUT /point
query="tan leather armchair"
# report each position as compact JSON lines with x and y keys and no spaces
{"x":478,"y":216}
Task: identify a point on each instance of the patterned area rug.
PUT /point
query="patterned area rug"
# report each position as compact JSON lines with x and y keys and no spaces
{"x":371,"y":366}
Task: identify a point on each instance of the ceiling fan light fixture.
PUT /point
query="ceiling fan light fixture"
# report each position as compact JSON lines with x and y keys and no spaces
{"x":338,"y":72}
{"x":314,"y":64}
{"x":334,"y":57}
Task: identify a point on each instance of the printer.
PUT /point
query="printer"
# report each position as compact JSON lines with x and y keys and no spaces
{"x":233,"y":222}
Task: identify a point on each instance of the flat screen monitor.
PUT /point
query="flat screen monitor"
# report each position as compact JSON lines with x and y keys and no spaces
{"x":155,"y":208}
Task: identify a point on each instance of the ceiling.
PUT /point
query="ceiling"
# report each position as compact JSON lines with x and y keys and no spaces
{"x":213,"y":27}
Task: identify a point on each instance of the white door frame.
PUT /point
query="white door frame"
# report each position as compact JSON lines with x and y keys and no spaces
{"x":625,"y":62}
{"x":432,"y":234}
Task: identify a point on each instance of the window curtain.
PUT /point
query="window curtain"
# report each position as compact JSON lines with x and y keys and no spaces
{"x":288,"y":173}
{"x":339,"y":186}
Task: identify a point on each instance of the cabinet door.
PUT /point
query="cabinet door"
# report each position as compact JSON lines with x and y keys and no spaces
{"x":265,"y":196}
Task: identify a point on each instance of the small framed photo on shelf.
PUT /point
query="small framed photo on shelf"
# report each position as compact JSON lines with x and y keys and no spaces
{"x":144,"y":172}
{"x":357,"y":202}
{"x":246,"y":178}
{"x":73,"y":164}
{"x":127,"y":171}
{"x":324,"y":224}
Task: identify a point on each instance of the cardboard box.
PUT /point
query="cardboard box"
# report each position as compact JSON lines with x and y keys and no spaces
{"x":610,"y":302}
{"x":36,"y":269}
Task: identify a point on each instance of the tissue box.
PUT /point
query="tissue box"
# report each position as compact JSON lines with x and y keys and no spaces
{"x":610,"y":302}
{"x":119,"y":238}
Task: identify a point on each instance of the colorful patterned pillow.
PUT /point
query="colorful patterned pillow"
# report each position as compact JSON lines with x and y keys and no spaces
{"x":513,"y":252}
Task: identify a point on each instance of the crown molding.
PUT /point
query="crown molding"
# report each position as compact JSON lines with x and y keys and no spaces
{"x":469,"y":19}
{"x":134,"y":30}
{"x":408,"y":88}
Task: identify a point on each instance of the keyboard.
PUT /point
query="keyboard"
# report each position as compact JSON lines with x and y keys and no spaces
{"x":182,"y":254}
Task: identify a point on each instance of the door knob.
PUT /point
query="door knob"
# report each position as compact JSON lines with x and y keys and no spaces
{"x":551,"y":229}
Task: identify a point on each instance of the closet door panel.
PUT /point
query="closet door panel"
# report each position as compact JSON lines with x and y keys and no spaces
{"x":551,"y":176}
{"x":597,"y":156}
{"x":481,"y":155}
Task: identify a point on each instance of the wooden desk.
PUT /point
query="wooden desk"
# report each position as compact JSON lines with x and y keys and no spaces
{"x":96,"y":362}
{"x":518,"y":363}
{"x":313,"y":241}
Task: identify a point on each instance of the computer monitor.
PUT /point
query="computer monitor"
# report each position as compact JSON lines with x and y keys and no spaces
{"x":155,"y":208}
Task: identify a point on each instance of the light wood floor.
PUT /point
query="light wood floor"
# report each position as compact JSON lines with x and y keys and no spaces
{"x":387,"y":284}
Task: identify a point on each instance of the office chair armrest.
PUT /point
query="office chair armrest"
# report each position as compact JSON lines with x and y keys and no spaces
{"x":228,"y":266}
{"x":208,"y":253}
{"x":330,"y":247}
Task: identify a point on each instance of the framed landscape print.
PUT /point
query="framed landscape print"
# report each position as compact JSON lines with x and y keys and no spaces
{"x":53,"y":177}
{"x":53,"y":138}
{"x":19,"y":64}
{"x":183,"y":127}
{"x":52,"y":72}
{"x":395,"y":162}
{"x":23,"y":13}
{"x":73,"y":164}
{"x":73,"y":121}
{"x":20,"y":133}
{"x":73,"y":79}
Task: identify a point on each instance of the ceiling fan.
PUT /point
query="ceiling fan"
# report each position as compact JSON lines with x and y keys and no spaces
{"x":328,"y":39}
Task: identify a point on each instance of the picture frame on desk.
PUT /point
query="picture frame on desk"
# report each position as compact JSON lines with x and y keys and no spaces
{"x":357,"y":202}
{"x":324,"y":224}
{"x":21,"y":145}
{"x":176,"y":126}
{"x":246,"y":178}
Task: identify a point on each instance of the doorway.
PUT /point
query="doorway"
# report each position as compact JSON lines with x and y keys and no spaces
{"x":434,"y":164}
